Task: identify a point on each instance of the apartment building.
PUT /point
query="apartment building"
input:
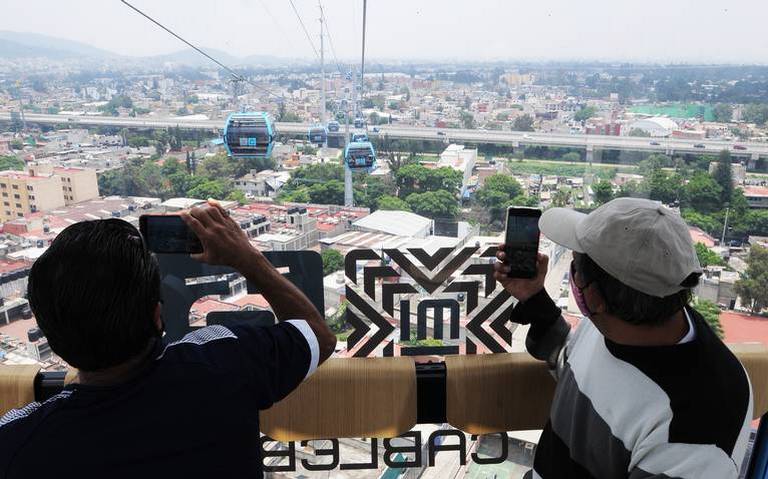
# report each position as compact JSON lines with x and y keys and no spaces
{"x":22,"y":193}
{"x":77,"y":184}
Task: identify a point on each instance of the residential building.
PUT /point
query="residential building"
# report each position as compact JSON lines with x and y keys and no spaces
{"x":23,"y":193}
{"x":78,"y":184}
{"x":757,"y":196}
{"x":460,"y":159}
{"x":263,"y":183}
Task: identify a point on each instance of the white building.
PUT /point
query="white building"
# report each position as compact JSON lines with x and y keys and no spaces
{"x":657,"y":126}
{"x":398,"y":223}
{"x":460,"y":159}
{"x":262,"y":183}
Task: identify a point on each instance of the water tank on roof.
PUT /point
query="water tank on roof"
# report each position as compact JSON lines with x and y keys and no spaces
{"x":131,"y":207}
{"x":46,"y":229}
{"x":34,"y":334}
{"x":40,"y":243}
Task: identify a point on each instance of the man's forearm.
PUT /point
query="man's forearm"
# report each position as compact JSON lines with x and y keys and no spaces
{"x":286,"y":300}
{"x":549,"y":331}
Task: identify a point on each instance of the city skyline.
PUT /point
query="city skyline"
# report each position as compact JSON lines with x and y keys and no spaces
{"x":702,"y":32}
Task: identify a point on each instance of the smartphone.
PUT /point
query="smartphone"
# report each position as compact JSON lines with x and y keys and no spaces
{"x":522,"y":241}
{"x":168,"y":234}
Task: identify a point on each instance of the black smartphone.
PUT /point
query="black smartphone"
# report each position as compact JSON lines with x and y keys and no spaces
{"x":522,"y":241}
{"x":168,"y":234}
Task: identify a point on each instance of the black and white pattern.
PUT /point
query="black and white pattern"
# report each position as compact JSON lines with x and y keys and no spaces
{"x":680,"y":411}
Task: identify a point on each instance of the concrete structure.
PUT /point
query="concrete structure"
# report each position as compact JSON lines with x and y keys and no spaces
{"x":23,"y":193}
{"x":265,"y":183}
{"x":78,"y":184}
{"x":757,"y":196}
{"x":717,"y":286}
{"x":657,"y":126}
{"x":460,"y":159}
{"x":738,"y":171}
{"x":397,"y":223}
{"x":516,"y":138}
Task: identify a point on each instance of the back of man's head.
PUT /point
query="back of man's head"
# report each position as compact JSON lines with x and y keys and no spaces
{"x":638,"y":252}
{"x":94,"y":293}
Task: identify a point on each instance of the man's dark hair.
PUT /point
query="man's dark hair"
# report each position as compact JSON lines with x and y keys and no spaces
{"x":629,"y":304}
{"x":94,"y":294}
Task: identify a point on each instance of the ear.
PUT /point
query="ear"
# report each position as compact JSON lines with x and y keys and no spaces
{"x":157,"y":318}
{"x":595,"y":300}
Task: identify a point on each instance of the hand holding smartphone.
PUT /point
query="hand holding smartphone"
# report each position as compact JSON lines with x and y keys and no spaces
{"x":168,"y":234}
{"x":521,"y":241}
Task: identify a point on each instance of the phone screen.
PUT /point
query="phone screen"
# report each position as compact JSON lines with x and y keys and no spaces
{"x":169,"y":234}
{"x":522,"y":242}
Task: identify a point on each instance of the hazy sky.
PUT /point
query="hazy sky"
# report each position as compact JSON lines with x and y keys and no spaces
{"x":638,"y":30}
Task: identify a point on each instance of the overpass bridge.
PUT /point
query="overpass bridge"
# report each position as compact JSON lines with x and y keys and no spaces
{"x":590,"y":143}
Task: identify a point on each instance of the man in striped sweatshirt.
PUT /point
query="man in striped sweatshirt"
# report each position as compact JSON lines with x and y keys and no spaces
{"x":645,"y":387}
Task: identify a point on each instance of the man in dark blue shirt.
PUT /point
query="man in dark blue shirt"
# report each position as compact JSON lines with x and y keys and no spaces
{"x":142,"y":407}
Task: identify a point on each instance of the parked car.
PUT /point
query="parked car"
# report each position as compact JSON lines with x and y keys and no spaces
{"x":655,"y":143}
{"x":699,"y":145}
{"x":739,"y":147}
{"x":441,"y":133}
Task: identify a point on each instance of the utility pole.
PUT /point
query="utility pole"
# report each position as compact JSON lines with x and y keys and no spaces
{"x":322,"y":68}
{"x":725,"y":226}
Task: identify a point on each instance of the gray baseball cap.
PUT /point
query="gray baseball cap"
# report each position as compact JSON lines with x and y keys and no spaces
{"x":642,"y":243}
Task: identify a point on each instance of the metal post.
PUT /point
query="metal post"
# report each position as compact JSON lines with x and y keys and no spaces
{"x":725,"y":226}
{"x":349,"y":199}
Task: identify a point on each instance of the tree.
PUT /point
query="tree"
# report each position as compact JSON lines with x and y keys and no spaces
{"x":504,"y":183}
{"x":702,"y":193}
{"x":585,"y":113}
{"x":654,"y":162}
{"x":523,"y":200}
{"x":753,"y":286}
{"x":392,"y":203}
{"x":663,"y":187}
{"x":723,"y":112}
{"x":603,"y":192}
{"x":724,"y":177}
{"x":639,"y":132}
{"x":467,"y":119}
{"x":561,"y":197}
{"x":11,"y":162}
{"x":503,"y":116}
{"x":707,"y":257}
{"x":216,"y":189}
{"x":332,"y":261}
{"x":434,"y":204}
{"x":701,"y":220}
{"x":216,"y":166}
{"x":523,"y":123}
{"x":571,"y":157}
{"x":237,"y":195}
{"x":711,"y":314}
{"x":756,"y":113}
{"x":328,"y":193}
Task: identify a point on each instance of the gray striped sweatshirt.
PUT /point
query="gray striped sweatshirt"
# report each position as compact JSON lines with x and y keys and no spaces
{"x":681,"y":411}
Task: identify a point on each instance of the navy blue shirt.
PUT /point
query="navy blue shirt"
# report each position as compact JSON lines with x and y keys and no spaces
{"x":193,"y":411}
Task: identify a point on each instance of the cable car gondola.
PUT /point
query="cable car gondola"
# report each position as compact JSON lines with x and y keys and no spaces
{"x":333,"y":126}
{"x":359,"y":123}
{"x":360,"y":137}
{"x":249,"y":135}
{"x":360,"y":156}
{"x":317,"y":135}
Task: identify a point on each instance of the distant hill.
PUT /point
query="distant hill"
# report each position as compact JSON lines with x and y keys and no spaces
{"x":21,"y":45}
{"x":29,"y":45}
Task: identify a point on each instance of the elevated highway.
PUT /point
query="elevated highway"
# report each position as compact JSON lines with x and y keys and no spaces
{"x":590,"y":143}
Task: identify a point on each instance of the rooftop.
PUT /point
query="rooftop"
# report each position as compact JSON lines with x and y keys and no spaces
{"x":399,"y":223}
{"x":742,"y":328}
